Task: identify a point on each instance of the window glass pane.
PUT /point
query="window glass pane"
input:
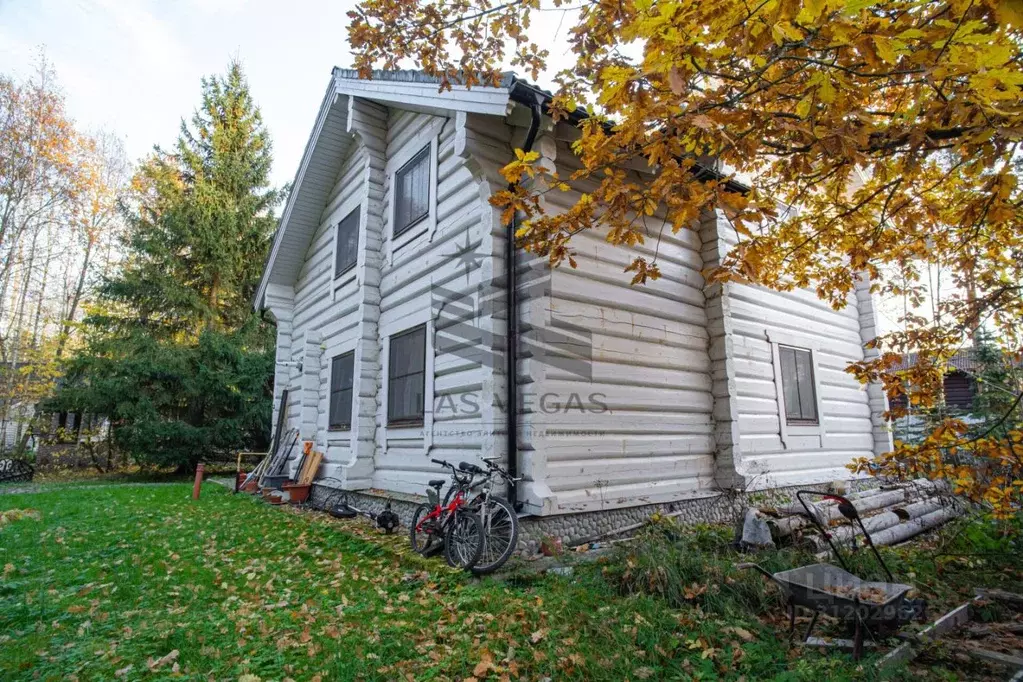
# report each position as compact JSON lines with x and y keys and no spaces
{"x":396,"y":399}
{"x":406,"y":386}
{"x":405,"y":397}
{"x":335,"y":375}
{"x":347,"y":371}
{"x":412,"y":191}
{"x":399,"y":364}
{"x":344,"y":407}
{"x":402,"y":194}
{"x":416,"y":342}
{"x":798,"y":384}
{"x":342,"y":375}
{"x":408,"y":352}
{"x":804,"y":374}
{"x":335,"y":408}
{"x":790,"y":387}
{"x":347,"y":243}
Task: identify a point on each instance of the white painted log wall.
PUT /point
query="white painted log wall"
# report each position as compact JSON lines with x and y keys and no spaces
{"x":325,"y":321}
{"x":322,"y":318}
{"x":684,"y":369}
{"x":626,"y":419}
{"x":754,"y":313}
{"x":420,"y":272}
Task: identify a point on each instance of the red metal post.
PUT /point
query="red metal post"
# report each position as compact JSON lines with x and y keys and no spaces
{"x":198,"y":481}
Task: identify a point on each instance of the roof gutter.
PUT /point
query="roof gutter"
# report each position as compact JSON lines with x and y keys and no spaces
{"x":527,"y":94}
{"x":534,"y":99}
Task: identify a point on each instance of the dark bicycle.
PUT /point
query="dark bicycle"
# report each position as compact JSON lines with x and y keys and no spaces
{"x":500,"y":522}
{"x":460,"y":528}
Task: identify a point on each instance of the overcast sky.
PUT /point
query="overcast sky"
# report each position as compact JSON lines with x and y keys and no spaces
{"x":133,"y":66}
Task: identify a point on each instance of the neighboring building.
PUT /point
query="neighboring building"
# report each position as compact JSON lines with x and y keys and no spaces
{"x":18,"y":416}
{"x":959,"y":388}
{"x":959,"y":384}
{"x":387,"y":281}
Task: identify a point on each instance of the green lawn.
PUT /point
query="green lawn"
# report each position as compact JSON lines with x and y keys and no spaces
{"x":109,"y":580}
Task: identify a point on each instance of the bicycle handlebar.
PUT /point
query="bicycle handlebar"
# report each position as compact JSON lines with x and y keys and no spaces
{"x":462,"y":478}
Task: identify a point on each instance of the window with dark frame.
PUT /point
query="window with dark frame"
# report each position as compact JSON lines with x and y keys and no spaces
{"x":406,"y":378}
{"x":412,"y":192}
{"x":347,"y":243}
{"x":342,"y":378}
{"x":797,"y":382}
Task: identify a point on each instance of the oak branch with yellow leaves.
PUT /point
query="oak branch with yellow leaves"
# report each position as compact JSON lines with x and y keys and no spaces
{"x":892,"y":126}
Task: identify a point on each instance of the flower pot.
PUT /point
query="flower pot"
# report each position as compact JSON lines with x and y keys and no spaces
{"x":252,"y":486}
{"x":299,"y":493}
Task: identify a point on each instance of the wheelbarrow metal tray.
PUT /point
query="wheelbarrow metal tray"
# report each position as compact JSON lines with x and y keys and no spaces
{"x":835,"y":591}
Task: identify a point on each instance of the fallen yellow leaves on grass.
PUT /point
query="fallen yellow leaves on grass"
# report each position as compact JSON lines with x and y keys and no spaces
{"x":12,"y":515}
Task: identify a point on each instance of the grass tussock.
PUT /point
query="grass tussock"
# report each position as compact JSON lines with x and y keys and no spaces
{"x":698,"y":567}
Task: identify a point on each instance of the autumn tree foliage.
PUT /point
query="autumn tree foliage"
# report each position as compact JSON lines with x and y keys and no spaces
{"x":875,"y":138}
{"x":58,"y":223}
{"x":174,"y":355}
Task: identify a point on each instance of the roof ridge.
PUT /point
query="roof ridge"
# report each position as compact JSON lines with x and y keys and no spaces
{"x":508,"y":78}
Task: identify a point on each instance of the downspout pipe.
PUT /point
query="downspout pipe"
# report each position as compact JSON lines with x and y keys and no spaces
{"x":530,"y":97}
{"x":536,"y":99}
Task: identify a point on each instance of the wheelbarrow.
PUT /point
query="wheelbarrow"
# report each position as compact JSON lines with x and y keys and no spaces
{"x":871,"y":607}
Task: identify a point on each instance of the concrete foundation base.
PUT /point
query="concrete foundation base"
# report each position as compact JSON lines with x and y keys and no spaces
{"x":574,"y":529}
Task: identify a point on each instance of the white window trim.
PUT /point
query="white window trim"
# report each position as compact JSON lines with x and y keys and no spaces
{"x":429,"y":135}
{"x":786,"y":430}
{"x":336,"y":283}
{"x":409,"y":432}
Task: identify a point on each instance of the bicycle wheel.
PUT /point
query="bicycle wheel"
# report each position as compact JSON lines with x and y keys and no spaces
{"x":422,"y":539}
{"x":500,"y":533}
{"x":463,"y":539}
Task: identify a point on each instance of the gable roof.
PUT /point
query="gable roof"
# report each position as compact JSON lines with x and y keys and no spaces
{"x":331,"y":138}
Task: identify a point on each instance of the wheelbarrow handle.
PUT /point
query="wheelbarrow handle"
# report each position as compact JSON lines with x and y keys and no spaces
{"x":757,"y":567}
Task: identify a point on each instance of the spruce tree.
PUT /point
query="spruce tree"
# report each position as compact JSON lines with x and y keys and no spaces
{"x":203,"y":218}
{"x":175,"y":356}
{"x":999,"y":380}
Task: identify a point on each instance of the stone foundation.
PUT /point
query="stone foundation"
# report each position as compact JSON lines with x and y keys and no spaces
{"x":575,"y":529}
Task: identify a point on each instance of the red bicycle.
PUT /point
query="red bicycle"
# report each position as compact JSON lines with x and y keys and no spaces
{"x":460,"y":528}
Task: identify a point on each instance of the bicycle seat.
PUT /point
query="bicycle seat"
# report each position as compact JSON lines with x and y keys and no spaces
{"x":437,"y":483}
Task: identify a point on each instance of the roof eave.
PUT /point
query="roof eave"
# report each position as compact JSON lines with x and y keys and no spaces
{"x":321,"y":116}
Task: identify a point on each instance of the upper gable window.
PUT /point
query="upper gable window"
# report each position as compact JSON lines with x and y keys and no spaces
{"x":347,"y":244}
{"x":798,"y":385}
{"x":412,"y":192}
